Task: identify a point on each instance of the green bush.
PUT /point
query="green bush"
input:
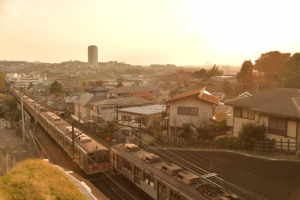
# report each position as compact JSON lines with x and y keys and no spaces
{"x":249,"y":132}
{"x":227,"y":141}
{"x":298,"y":153}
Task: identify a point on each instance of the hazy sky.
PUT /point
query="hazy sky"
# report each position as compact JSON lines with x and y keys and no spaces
{"x":181,"y":32}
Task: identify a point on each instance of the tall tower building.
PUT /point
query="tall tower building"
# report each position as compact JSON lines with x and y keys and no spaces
{"x":93,"y":55}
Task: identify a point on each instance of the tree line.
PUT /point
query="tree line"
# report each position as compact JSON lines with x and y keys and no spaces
{"x":273,"y":65}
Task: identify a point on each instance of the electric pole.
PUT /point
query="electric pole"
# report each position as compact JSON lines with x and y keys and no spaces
{"x":22,"y":113}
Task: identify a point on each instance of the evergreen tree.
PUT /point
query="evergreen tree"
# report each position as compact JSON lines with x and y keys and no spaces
{"x":245,"y":75}
{"x":56,"y":88}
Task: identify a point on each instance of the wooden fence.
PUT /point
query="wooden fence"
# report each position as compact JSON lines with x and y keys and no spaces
{"x":276,"y":145}
{"x":259,"y":146}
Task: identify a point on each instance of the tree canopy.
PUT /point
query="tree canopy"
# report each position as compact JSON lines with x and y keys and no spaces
{"x":2,"y":81}
{"x":200,"y":74}
{"x":181,"y":77}
{"x":245,"y":75}
{"x":56,"y":88}
{"x":271,"y":63}
{"x":214,"y":71}
{"x":99,"y":82}
{"x":291,"y":74}
{"x":120,"y":84}
{"x":30,"y":86}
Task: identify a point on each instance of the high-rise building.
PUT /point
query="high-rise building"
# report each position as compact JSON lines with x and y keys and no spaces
{"x":93,"y":55}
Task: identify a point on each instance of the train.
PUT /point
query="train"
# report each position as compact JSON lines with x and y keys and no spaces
{"x":161,"y":180}
{"x":91,"y":156}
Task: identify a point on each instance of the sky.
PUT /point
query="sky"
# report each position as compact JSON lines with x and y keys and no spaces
{"x":180,"y":32}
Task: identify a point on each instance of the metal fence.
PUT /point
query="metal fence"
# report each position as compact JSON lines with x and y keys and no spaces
{"x":6,"y":164}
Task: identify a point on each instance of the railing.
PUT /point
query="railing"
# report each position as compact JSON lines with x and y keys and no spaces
{"x":6,"y":164}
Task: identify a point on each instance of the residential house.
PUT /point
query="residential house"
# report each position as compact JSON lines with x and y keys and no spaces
{"x":99,"y":91}
{"x":195,"y":107}
{"x":145,"y":95}
{"x":82,"y":105}
{"x":221,"y":95}
{"x":159,"y":93}
{"x":278,"y":109}
{"x":136,"y":119}
{"x":221,"y":79}
{"x":107,"y":109}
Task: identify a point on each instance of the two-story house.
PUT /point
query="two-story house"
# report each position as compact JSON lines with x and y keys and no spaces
{"x":195,"y":107}
{"x":279,"y":109}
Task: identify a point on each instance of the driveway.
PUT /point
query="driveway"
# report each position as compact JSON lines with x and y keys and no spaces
{"x":13,"y":145}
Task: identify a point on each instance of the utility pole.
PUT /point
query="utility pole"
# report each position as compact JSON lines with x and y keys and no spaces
{"x":79,"y":114}
{"x":34,"y":92}
{"x":140,"y":140}
{"x":23,"y":126}
{"x":117,"y":112}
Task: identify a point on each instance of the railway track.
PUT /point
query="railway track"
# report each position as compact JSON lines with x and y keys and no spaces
{"x":107,"y":190}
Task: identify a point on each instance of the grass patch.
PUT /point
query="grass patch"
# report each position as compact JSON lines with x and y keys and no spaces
{"x":37,"y":179}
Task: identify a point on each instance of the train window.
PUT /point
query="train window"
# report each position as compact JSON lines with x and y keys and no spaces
{"x":164,"y":190}
{"x":127,"y":165}
{"x":151,"y":181}
{"x":174,"y":196}
{"x":146,"y":178}
{"x":92,"y":160}
{"x":76,"y":152}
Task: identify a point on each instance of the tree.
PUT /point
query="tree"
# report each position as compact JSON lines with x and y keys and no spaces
{"x":214,"y":71}
{"x":2,"y":81}
{"x":186,"y":130}
{"x":249,"y":132}
{"x":271,"y":63}
{"x":245,"y":75}
{"x":200,"y":74}
{"x":99,"y":82}
{"x":83,"y":83}
{"x":120,"y":84}
{"x":181,"y":78}
{"x":291,"y":74}
{"x":30,"y":86}
{"x":56,"y":88}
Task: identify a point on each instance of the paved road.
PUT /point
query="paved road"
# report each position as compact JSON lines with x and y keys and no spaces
{"x":12,"y":144}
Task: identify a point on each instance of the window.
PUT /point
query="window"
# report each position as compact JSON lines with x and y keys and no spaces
{"x":127,"y":165}
{"x":137,"y":119}
{"x":187,"y":111}
{"x":125,"y":118}
{"x":148,"y":179}
{"x":245,"y":113}
{"x":237,"y":112}
{"x":277,"y":126}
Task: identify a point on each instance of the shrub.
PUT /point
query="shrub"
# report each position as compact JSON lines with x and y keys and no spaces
{"x":298,"y":153}
{"x":249,"y":132}
{"x":227,"y":141}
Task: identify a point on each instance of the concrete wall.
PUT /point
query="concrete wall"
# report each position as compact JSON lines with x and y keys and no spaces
{"x":272,"y":179}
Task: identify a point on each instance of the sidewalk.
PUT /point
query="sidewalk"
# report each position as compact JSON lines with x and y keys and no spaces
{"x":86,"y":187}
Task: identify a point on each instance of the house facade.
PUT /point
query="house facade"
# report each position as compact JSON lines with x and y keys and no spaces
{"x":193,"y":107}
{"x":278,"y":109}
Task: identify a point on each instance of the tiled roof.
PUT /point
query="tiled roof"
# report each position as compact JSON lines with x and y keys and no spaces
{"x":201,"y":93}
{"x":220,"y":116}
{"x":145,"y":95}
{"x":135,"y":89}
{"x":187,"y":94}
{"x":210,"y":98}
{"x":125,"y":101}
{"x":266,"y":98}
{"x":288,"y":107}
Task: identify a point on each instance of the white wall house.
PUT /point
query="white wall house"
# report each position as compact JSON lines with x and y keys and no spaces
{"x":278,"y":109}
{"x":192,"y":107}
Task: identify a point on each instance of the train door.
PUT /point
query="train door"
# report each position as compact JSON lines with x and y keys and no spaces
{"x":161,"y":191}
{"x":137,"y":176}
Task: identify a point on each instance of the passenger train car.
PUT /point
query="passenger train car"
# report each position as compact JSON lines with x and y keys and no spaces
{"x":161,"y":180}
{"x":91,"y":156}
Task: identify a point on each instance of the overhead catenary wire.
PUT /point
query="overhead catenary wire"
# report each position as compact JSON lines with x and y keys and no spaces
{"x":245,"y":191}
